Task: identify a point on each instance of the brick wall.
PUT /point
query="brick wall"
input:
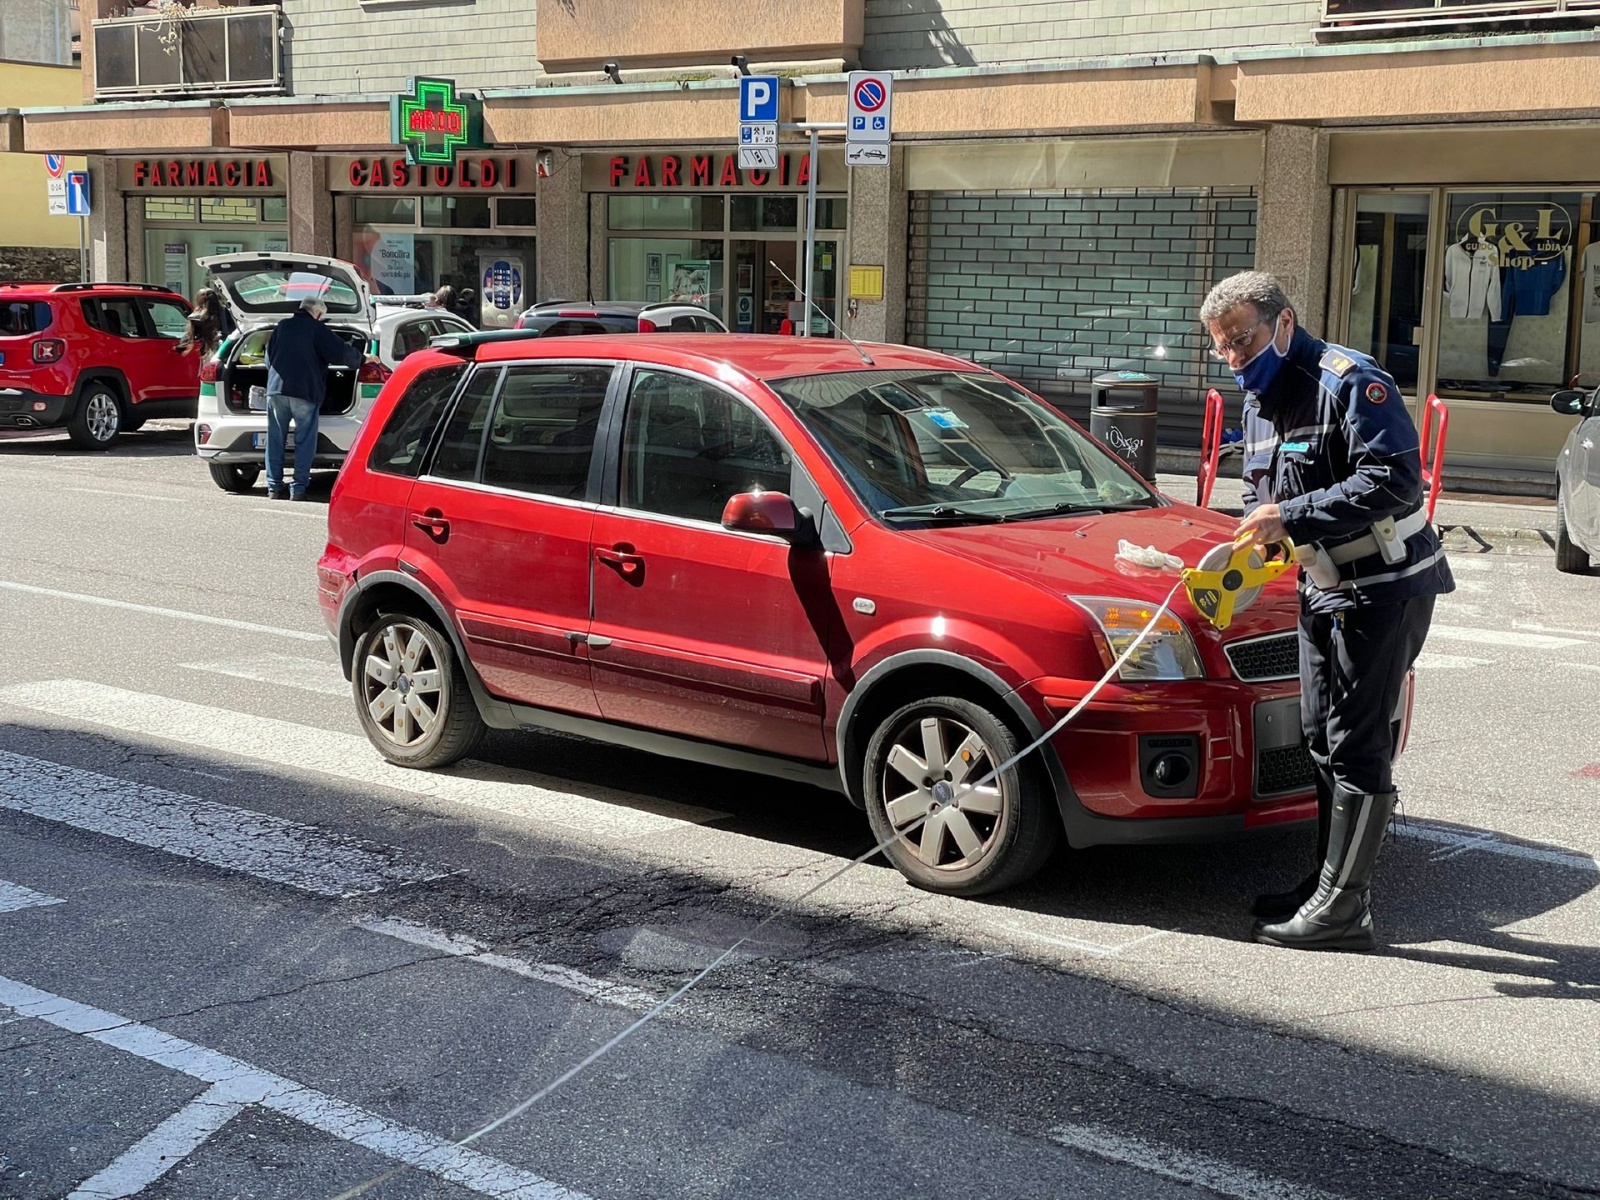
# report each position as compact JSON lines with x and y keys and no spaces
{"x":1053,"y":288}
{"x":337,"y":47}
{"x":935,"y":33}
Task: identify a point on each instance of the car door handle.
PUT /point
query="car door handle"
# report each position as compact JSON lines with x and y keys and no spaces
{"x":432,"y":523}
{"x":622,"y":558}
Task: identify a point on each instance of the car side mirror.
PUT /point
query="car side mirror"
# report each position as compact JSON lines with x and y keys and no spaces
{"x":762,"y":512}
{"x":1570,"y":403}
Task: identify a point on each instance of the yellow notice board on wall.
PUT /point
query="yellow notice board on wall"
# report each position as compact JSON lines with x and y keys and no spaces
{"x":866,"y":283}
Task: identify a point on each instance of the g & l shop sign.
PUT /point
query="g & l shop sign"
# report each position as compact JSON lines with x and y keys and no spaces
{"x":204,"y":176}
{"x":392,"y":174}
{"x":706,"y":170}
{"x":1524,"y":233}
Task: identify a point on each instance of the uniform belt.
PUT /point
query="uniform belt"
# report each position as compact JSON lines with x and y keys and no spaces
{"x":1404,"y":529}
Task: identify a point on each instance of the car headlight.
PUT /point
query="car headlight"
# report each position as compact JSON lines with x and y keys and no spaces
{"x":1167,"y":652}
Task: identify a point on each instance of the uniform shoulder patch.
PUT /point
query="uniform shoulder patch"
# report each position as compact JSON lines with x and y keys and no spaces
{"x":1377,"y":393}
{"x":1338,"y":362}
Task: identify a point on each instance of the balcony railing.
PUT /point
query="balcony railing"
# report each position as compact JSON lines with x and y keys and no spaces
{"x":201,"y":52}
{"x":1355,"y":17}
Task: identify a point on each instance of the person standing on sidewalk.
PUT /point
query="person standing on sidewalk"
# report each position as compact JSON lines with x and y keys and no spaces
{"x":299,"y":353}
{"x":1343,"y":478}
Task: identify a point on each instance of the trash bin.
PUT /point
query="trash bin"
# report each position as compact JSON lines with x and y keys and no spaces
{"x":1122,"y":418}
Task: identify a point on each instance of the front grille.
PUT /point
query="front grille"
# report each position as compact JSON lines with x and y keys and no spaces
{"x":1284,"y":769}
{"x":1259,"y":660}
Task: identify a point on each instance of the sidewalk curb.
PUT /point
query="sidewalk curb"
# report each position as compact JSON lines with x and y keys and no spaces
{"x":1481,"y":539}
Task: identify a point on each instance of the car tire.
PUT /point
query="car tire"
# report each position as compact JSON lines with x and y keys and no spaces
{"x":411,"y":693}
{"x":98,"y":418}
{"x":989,"y":838}
{"x":1569,"y":558}
{"x":234,"y":477}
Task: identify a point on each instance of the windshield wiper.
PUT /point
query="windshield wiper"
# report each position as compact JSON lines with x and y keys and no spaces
{"x":1076,"y":508}
{"x":943,"y":512}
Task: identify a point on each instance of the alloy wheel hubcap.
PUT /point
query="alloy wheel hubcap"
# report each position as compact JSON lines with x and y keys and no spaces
{"x":402,"y":684}
{"x":103,"y":416}
{"x":930,"y":764}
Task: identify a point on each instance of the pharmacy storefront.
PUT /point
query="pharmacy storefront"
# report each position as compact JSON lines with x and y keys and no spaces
{"x":182,"y":209}
{"x":411,"y":228}
{"x":691,"y":225}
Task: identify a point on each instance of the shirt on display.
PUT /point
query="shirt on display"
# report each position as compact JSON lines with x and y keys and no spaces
{"x":1591,"y":283}
{"x":1472,"y":280}
{"x":1528,"y":290}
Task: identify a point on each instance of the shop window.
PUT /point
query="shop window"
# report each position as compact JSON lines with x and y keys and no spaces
{"x":386,"y":210}
{"x":1387,"y":279}
{"x":543,"y":433}
{"x":664,"y":212}
{"x":230,"y":210}
{"x":515,"y":210}
{"x":169,"y":208}
{"x":455,"y":212}
{"x":831,"y":214}
{"x":772,"y":213}
{"x":654,"y":269}
{"x":275,"y":208}
{"x":1506,"y":325}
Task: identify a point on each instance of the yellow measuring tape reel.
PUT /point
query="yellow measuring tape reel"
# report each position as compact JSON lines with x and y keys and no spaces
{"x":1229,"y":578}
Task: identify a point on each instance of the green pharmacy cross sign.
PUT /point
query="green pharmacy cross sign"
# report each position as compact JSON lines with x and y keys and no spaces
{"x":432,"y":122}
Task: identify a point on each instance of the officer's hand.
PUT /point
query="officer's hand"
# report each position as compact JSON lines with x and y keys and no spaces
{"x":1263,"y":526}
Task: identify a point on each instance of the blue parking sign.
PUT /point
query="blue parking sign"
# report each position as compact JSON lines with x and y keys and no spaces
{"x":758,"y":99}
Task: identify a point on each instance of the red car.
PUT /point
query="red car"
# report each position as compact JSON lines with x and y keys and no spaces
{"x":880,"y":571}
{"x":97,"y":358}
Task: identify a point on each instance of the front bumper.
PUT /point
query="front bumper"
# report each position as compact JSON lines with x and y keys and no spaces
{"x":1243,"y":741}
{"x":21,"y":408}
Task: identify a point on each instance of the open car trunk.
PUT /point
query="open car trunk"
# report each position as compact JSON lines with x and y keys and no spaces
{"x":247,"y":368}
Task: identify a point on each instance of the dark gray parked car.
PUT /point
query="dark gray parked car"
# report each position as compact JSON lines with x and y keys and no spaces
{"x":1578,"y":482}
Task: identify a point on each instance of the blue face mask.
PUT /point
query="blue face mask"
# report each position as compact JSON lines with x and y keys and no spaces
{"x":1257,"y":375}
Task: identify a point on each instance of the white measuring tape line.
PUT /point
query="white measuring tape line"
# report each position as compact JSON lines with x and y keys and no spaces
{"x":611,"y":1044}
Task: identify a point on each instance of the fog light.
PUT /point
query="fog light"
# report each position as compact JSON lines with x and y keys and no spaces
{"x":1171,"y":770}
{"x":39,"y":406}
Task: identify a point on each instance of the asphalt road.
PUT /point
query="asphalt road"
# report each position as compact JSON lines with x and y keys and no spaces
{"x":241,"y":957}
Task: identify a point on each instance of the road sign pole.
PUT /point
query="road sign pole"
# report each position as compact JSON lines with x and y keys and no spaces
{"x":83,"y":250}
{"x":811,"y":230}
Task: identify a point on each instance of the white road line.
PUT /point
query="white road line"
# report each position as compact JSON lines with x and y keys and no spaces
{"x":321,"y":675}
{"x":1503,"y":637}
{"x":351,"y":758}
{"x":1455,"y":842}
{"x":1577,"y":633}
{"x":153,"y":610}
{"x":1581,"y":666}
{"x":164,"y":1147}
{"x":554,"y":973}
{"x":1429,"y":661}
{"x":1101,"y":949}
{"x":290,"y":510}
{"x":1197,"y":1170}
{"x":129,"y":495}
{"x":14,"y":897}
{"x":249,"y":1084}
{"x":236,"y":839}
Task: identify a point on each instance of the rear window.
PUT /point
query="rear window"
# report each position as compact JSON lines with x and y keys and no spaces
{"x":559,"y":325}
{"x":404,"y":441}
{"x":277,"y":291}
{"x":19,"y":317}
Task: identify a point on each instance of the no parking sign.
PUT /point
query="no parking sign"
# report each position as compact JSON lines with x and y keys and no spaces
{"x":871,"y":102}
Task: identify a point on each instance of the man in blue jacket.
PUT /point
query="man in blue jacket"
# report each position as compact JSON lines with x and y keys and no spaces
{"x":299,"y":353}
{"x":1343,"y":479}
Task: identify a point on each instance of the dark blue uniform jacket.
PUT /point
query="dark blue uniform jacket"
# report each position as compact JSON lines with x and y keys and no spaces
{"x":1342,"y":454}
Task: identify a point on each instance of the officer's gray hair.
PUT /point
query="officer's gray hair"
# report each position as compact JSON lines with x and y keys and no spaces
{"x":313,"y":306}
{"x":1247,"y":287}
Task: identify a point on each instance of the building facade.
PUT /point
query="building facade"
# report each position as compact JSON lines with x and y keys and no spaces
{"x":1067,"y":179}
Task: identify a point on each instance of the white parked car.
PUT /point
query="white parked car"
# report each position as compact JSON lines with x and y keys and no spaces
{"x":262,"y":288}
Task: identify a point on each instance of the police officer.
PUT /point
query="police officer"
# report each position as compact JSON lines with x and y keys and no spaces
{"x":1339,"y":473}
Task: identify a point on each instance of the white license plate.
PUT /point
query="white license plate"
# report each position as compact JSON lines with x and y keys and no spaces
{"x":258,"y":441}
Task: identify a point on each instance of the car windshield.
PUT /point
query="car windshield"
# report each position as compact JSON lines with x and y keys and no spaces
{"x":953,"y":446}
{"x":277,"y":291}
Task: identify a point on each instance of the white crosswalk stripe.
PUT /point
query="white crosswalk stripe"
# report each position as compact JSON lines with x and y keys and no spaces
{"x":319,"y":675}
{"x":237,"y":839}
{"x":14,"y":897}
{"x":351,"y":758}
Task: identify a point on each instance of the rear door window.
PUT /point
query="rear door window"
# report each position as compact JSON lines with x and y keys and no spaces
{"x":413,"y":336}
{"x":400,"y":447}
{"x":542,"y":437}
{"x":116,"y":316}
{"x":462,"y":444}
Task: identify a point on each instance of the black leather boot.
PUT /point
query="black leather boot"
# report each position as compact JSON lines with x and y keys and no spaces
{"x":1339,"y":915}
{"x":1275,"y":906}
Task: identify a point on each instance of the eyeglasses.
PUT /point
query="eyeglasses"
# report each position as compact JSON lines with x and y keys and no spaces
{"x":1237,"y":342}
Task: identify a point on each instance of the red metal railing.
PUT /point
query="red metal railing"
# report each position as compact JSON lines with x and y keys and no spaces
{"x":1210,"y":449}
{"x":1433,"y":474}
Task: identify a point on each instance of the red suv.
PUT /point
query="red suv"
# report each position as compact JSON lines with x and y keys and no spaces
{"x":97,"y":358}
{"x":880,"y":571}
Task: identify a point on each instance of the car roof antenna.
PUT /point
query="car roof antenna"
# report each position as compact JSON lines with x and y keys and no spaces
{"x":865,"y":357}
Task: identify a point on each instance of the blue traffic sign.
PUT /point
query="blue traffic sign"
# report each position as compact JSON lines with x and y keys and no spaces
{"x":758,"y":98}
{"x":53,"y":165}
{"x":870,"y":95}
{"x":77,"y":193}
